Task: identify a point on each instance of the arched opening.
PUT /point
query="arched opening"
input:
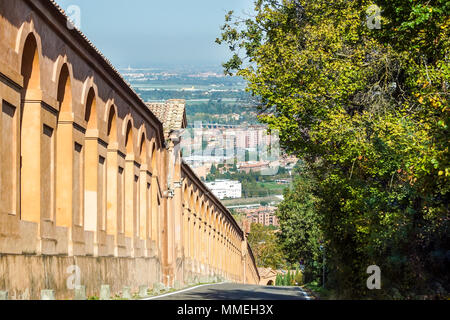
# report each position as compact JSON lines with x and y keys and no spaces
{"x":191,"y":200}
{"x":112,"y":127}
{"x":64,"y":91}
{"x":209,"y":235}
{"x":185,"y":221}
{"x":129,"y":139}
{"x":30,"y":66}
{"x":186,"y":197}
{"x":94,"y":171}
{"x":191,"y":224}
{"x":143,"y":150}
{"x":69,"y":155}
{"x":154,"y":198}
{"x":200,"y":232}
{"x":197,"y":205}
{"x":30,"y":136}
{"x":270,"y":283}
{"x":155,"y":160}
{"x":91,"y":115}
{"x":143,"y":207}
{"x":114,"y":206}
{"x":130,"y":185}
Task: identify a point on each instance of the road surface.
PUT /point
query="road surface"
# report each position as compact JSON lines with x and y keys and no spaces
{"x":231,"y":291}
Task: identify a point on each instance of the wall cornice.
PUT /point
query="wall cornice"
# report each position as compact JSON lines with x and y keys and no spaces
{"x":55,"y":17}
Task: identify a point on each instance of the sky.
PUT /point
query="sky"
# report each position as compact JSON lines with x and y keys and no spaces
{"x":150,"y":33}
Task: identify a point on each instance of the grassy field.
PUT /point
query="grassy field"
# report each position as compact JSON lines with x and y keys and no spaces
{"x":275,"y":187}
{"x":318,"y":291}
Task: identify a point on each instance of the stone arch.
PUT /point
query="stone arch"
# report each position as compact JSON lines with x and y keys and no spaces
{"x":154,"y":160}
{"x":68,"y":198}
{"x":88,"y":85}
{"x":111,"y":123}
{"x":144,"y":191}
{"x":95,"y":167}
{"x":64,"y":90}
{"x":30,"y":131}
{"x":213,"y":216}
{"x":127,"y":132}
{"x":185,"y":195}
{"x":62,"y":77}
{"x":30,"y":65}
{"x":143,"y":153}
{"x":61,"y":62}
{"x":216,"y":220}
{"x":130,"y":182}
{"x":89,"y":98}
{"x":219,"y":223}
{"x":90,"y":114}
{"x":205,"y":209}
{"x":129,"y":147}
{"x":110,"y":104}
{"x":197,"y":204}
{"x":27,"y":29}
{"x":209,"y":214}
{"x":202,"y":207}
{"x":191,"y":199}
{"x":114,"y":218}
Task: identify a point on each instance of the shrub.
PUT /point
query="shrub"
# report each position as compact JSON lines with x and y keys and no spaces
{"x":299,"y":278}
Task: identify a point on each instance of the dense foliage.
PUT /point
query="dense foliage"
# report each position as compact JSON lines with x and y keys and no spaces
{"x":265,"y":247}
{"x":254,"y":184}
{"x":289,"y":279}
{"x":367,"y":109}
{"x":218,"y":111}
{"x":301,"y":238}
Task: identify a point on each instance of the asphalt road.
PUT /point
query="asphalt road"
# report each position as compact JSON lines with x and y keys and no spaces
{"x":231,"y":291}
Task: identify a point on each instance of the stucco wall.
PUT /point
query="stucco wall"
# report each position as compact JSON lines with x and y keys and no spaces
{"x":85,"y":168}
{"x":25,"y":276}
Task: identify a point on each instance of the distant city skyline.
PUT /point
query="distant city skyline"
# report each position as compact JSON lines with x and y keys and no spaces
{"x":149,"y":33}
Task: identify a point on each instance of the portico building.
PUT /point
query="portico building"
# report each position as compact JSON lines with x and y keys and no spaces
{"x":92,"y":177}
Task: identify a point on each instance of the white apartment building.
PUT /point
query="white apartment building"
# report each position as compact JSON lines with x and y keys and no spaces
{"x":223,"y":189}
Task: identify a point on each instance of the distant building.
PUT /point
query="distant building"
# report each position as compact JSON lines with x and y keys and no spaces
{"x":223,"y":189}
{"x":200,"y":160}
{"x":262,"y":215}
{"x":253,"y":166}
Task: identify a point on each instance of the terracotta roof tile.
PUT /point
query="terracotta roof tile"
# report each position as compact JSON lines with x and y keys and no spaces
{"x":172,"y":114}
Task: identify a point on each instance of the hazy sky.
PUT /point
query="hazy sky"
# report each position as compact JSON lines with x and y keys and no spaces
{"x":157,"y":32}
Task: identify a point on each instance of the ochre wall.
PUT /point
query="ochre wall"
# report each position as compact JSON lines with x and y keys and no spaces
{"x":26,"y":276}
{"x":85,"y":167}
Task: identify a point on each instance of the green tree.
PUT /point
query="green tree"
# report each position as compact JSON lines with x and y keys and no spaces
{"x":278,"y":280}
{"x":298,"y":277}
{"x":288,"y":278}
{"x":234,"y":168}
{"x":213,"y":170}
{"x":367,"y":112}
{"x":301,"y":234}
{"x":266,"y":249}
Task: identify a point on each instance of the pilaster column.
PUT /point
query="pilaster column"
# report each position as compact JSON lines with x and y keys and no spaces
{"x":130,"y":203}
{"x":143,"y":210}
{"x":112,"y":211}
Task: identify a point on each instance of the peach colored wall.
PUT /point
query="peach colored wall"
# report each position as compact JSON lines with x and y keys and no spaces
{"x":85,"y":164}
